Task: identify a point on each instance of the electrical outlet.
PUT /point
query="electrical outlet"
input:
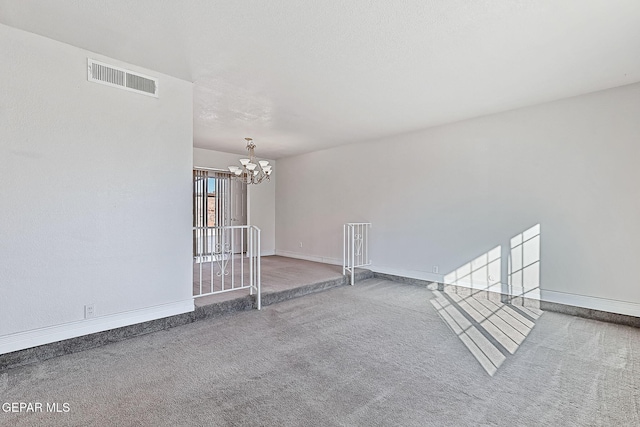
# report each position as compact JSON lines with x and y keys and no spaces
{"x":300,"y":244}
{"x":435,"y":269}
{"x":89,"y":311}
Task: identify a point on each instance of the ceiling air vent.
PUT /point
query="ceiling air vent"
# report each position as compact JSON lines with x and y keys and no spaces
{"x":109,"y":75}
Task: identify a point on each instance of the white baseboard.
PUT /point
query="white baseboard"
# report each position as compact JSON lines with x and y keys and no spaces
{"x":595,"y":303}
{"x":584,"y":301}
{"x":411,"y":274}
{"x":297,"y":255}
{"x":36,"y":337}
{"x":268,"y":253}
{"x":575,"y":300}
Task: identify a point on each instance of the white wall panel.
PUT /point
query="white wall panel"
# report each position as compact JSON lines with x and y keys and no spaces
{"x":95,"y":204}
{"x":447,"y":195}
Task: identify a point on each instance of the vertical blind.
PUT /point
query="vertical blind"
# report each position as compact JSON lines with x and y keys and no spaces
{"x":210,"y":198}
{"x":210,"y":205}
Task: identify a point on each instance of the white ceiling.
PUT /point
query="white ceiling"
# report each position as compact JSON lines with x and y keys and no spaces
{"x":303,"y":75}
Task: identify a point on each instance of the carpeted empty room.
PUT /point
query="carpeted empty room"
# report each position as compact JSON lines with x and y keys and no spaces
{"x":378,"y":353}
{"x":319,"y":213}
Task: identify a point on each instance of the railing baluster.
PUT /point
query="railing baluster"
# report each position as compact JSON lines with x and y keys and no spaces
{"x":198,"y":256}
{"x":233,"y":258}
{"x":355,"y":249}
{"x":210,"y":235}
{"x":250,"y":258}
{"x":259,"y":273}
{"x":221,"y":257}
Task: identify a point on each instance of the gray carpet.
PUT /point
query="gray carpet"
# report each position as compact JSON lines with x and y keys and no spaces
{"x":379,"y":353}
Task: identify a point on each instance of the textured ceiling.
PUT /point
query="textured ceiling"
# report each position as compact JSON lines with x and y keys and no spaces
{"x":303,"y":75}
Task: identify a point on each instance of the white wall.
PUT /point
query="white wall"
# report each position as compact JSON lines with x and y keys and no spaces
{"x":96,"y":187}
{"x":262,"y":197}
{"x":450,"y":194}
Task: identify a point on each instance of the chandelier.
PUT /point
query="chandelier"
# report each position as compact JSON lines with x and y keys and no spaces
{"x":250,"y":171}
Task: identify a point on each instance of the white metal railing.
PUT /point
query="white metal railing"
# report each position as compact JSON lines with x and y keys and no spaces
{"x":226,"y":259}
{"x":355,"y":249}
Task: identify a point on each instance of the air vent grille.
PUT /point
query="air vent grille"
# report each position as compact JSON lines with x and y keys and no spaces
{"x":124,"y":79}
{"x":107,"y":74}
{"x":141,"y":83}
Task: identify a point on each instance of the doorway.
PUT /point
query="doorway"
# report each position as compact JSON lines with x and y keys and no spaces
{"x":218,"y":201}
